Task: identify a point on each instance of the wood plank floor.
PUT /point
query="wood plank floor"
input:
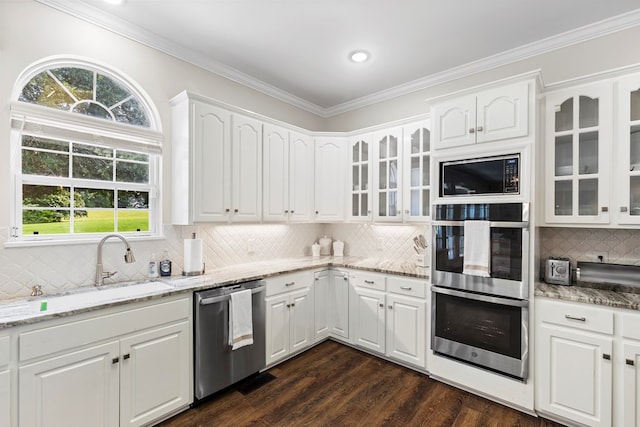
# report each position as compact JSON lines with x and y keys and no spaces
{"x":335,"y":385}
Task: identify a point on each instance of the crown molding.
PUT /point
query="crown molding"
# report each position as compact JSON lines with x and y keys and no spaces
{"x":109,"y":22}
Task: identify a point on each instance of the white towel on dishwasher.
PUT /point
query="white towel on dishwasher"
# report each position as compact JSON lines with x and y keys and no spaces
{"x":477,"y":247}
{"x":240,"y":319}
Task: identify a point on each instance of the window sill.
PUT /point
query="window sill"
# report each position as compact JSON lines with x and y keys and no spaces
{"x":93,"y":240}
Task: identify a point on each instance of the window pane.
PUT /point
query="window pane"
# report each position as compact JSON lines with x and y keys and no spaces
{"x":89,"y":168}
{"x":382,"y":204}
{"x":588,"y":197}
{"x":564,"y":117}
{"x":355,"y":152}
{"x":133,"y":199}
{"x":426,"y":170}
{"x":130,"y":155}
{"x":47,"y":144}
{"x":109,"y":92}
{"x":133,"y":220}
{"x":415,"y":142}
{"x":355,"y":175}
{"x":132,"y":172}
{"x":425,"y":202}
{"x":78,"y":81}
{"x":92,"y":150}
{"x":91,"y":221}
{"x":564,"y":155}
{"x":588,"y":112}
{"x":354,"y":204}
{"x":92,"y":109}
{"x":564,"y":198}
{"x":426,"y":139}
{"x":132,"y":113}
{"x":415,"y":202}
{"x":45,"y":222}
{"x":634,"y":148}
{"x":364,"y":204}
{"x":365,"y":151}
{"x":46,"y":196}
{"x":393,"y":146}
{"x":45,"y":164}
{"x":393,"y":174}
{"x":634,"y":196}
{"x":415,"y":171}
{"x":44,"y":90}
{"x":588,"y":153}
{"x":94,"y":198}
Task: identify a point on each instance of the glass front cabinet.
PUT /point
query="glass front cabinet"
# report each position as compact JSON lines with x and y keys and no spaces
{"x":417,"y":184}
{"x":627,"y":165}
{"x":360,"y":178}
{"x":577,"y":159}
{"x":387,"y":197}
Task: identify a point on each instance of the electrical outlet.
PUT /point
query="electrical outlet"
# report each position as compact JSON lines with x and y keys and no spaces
{"x":380,"y":243}
{"x":251,"y":246}
{"x":601,"y":257}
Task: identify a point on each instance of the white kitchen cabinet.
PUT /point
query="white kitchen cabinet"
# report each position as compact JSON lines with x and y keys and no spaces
{"x":5,"y":382}
{"x":491,"y":115}
{"x":246,"y":168}
{"x":406,"y":321}
{"x":290,"y":315}
{"x":339,"y":305}
{"x":367,"y":310}
{"x":360,"y":178}
{"x":574,"y":365}
{"x":322,"y":282}
{"x":288,"y":175}
{"x":107,"y":368}
{"x":416,"y":169}
{"x":387,"y":173}
{"x":577,"y":160}
{"x":330,"y":159}
{"x":631,"y":395}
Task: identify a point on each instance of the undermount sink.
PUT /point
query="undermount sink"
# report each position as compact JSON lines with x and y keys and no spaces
{"x":83,"y":299}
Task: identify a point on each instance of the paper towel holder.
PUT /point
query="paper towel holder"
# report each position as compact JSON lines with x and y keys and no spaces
{"x":195,"y":273}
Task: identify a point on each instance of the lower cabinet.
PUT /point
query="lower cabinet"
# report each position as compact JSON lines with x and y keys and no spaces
{"x":339,"y":305}
{"x":290,"y":315}
{"x":631,"y":401}
{"x":369,"y":319}
{"x":131,"y":379}
{"x":406,"y":329}
{"x":5,"y":382}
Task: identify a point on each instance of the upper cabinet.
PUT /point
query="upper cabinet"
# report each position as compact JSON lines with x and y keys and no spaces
{"x":216,"y":163}
{"x":627,"y":137}
{"x":330,"y":167}
{"x":359,"y":199}
{"x":578,"y":143}
{"x":416,"y":139}
{"x":491,"y":115}
{"x":387,"y":153}
{"x":288,"y":162}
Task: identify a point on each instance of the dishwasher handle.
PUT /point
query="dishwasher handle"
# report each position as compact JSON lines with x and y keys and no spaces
{"x":225,"y":297}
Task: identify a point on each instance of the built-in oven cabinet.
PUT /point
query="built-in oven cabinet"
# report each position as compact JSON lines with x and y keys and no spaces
{"x":491,"y":115}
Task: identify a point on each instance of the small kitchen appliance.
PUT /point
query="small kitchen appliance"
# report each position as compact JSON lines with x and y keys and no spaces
{"x":558,"y":271}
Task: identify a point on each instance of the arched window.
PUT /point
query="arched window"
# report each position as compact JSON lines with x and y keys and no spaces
{"x":86,"y":154}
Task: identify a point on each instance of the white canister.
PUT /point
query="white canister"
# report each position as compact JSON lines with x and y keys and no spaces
{"x":338,"y":248}
{"x":325,"y":245}
{"x":315,"y":249}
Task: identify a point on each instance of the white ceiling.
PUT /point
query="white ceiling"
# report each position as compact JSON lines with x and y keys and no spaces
{"x":296,"y":50}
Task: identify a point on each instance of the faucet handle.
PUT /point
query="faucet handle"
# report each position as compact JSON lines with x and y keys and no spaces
{"x":36,"y":290}
{"x":107,"y":274}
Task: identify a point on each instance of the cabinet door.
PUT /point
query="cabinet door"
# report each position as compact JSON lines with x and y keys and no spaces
{"x":406,"y":329}
{"x":370,"y":319}
{"x":211,"y":160}
{"x":329,"y":179}
{"x":502,"y":113}
{"x":80,"y":389}
{"x":275,"y":178}
{"x":387,"y":194}
{"x":5,"y":398}
{"x":277,"y":327}
{"x":575,"y":375}
{"x":417,"y":180}
{"x":631,"y":395}
{"x":360,"y":178}
{"x":627,"y":167}
{"x":301,"y":175}
{"x":301,"y":319}
{"x":578,"y":147}
{"x":154,"y":374}
{"x":339,"y":305}
{"x":321,"y":305}
{"x":246,"y":194}
{"x":454,"y":122}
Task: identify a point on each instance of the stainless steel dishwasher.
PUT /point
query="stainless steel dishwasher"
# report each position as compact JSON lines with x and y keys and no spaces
{"x":216,"y":365}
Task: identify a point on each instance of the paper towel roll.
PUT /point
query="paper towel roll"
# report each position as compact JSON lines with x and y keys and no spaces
{"x":192,"y":256}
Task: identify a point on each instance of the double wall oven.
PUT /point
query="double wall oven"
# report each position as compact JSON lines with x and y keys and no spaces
{"x":480,"y":320}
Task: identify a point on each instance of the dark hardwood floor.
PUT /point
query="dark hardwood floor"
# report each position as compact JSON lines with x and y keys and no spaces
{"x":335,"y":385}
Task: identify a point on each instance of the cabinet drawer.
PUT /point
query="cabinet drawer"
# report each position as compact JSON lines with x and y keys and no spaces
{"x":367,"y":280}
{"x":411,"y":287}
{"x":630,"y":324}
{"x":289,"y":282}
{"x":574,"y":315}
{"x":4,"y":351}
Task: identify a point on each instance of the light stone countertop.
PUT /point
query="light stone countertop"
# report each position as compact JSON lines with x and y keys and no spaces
{"x":26,"y":311}
{"x":607,"y":295}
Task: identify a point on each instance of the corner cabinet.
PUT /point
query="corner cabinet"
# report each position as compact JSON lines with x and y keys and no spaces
{"x":330,"y":158}
{"x":491,"y":115}
{"x":578,"y":147}
{"x":216,"y":163}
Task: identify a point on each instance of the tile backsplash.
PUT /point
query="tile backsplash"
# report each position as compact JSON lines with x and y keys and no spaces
{"x":61,"y":268}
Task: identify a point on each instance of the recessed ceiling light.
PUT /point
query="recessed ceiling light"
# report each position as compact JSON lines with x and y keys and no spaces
{"x":359,"y":56}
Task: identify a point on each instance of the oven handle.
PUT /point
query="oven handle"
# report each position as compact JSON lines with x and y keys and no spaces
{"x":492,"y":224}
{"x":478,"y":297}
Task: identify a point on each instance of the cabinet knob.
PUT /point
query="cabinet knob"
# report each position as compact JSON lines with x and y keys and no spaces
{"x":629,"y":362}
{"x":623,"y":209}
{"x":472,"y":130}
{"x":286,"y":212}
{"x":317,"y":212}
{"x":606,"y":356}
{"x":480,"y":129}
{"x":227,"y":210}
{"x":292,"y":212}
{"x":390,"y":307}
{"x":406,"y":211}
{"x":381,"y":305}
{"x":288,"y":305}
{"x":293,"y":304}
{"x":235,"y":210}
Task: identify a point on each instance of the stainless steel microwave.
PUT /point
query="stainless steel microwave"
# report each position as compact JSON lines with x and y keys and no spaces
{"x":487,"y":175}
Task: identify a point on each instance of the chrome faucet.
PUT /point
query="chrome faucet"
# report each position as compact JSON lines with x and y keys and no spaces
{"x":36,"y":291}
{"x":128,"y":258}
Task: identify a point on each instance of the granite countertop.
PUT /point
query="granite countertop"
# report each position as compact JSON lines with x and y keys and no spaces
{"x":605,"y":295}
{"x":27,"y":310}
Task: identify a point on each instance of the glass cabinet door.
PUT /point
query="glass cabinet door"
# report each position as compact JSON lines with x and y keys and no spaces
{"x":627,"y":168}
{"x":579,"y":126}
{"x":388,"y":178}
{"x":417,"y":192}
{"x":360,"y":207}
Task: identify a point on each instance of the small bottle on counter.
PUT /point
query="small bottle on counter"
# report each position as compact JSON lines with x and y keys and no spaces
{"x":165,"y":264}
{"x":153,"y":267}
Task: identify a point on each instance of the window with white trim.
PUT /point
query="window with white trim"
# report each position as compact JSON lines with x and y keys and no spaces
{"x":86,"y":155}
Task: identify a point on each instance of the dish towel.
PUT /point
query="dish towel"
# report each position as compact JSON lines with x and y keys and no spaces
{"x":476,"y":248}
{"x":240,"y":319}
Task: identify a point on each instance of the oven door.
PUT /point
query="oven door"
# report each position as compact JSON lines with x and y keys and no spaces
{"x":486,"y":331}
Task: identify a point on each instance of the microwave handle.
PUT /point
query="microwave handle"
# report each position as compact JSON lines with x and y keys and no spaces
{"x":493,"y":224}
{"x":478,"y":297}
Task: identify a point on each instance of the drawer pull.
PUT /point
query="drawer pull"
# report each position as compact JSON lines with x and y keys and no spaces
{"x":405,"y":288}
{"x":629,"y":362}
{"x":606,"y":356}
{"x":126,"y":356}
{"x":579,"y":319}
{"x":115,"y":360}
{"x":290,"y":284}
{"x":370,"y":282}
